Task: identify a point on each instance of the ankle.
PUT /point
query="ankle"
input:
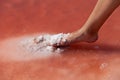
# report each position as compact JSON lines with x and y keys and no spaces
{"x":90,"y":36}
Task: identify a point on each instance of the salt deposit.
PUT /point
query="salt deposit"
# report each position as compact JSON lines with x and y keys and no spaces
{"x":103,"y":65}
{"x":44,"y":43}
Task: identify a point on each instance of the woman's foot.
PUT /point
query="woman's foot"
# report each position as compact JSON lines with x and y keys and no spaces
{"x":79,"y":36}
{"x":82,"y":36}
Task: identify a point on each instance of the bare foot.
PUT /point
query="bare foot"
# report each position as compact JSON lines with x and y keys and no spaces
{"x":67,"y":39}
{"x":82,"y":37}
{"x":79,"y":36}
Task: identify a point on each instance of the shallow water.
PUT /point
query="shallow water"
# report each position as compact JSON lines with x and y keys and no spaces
{"x":23,"y":48}
{"x":82,"y":61}
{"x":78,"y":61}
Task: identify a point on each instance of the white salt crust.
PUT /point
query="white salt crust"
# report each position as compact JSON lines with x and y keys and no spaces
{"x":44,"y":43}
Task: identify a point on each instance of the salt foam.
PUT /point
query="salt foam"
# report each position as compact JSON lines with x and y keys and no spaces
{"x":44,"y":43}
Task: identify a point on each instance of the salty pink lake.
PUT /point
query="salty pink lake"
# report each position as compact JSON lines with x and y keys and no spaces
{"x":82,"y":61}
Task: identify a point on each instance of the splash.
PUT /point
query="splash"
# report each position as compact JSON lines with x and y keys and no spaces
{"x":31,"y":47}
{"x":44,"y":43}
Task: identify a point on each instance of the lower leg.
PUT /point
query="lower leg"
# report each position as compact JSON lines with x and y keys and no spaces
{"x":89,"y":31}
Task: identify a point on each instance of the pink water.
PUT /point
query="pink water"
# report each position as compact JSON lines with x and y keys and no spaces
{"x":82,"y":61}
